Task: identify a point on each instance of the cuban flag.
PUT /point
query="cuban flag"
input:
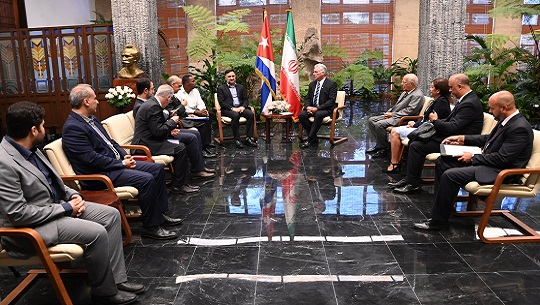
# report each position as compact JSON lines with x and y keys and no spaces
{"x":289,"y":84}
{"x":265,"y":66}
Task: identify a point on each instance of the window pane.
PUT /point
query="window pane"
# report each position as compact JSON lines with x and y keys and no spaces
{"x":356,"y":18}
{"x":330,"y":1}
{"x":529,"y":20}
{"x":531,"y":2}
{"x":252,"y":2}
{"x":278,"y":19}
{"x":355,"y":1}
{"x":330,"y":18}
{"x":381,"y":18}
{"x":381,"y":1}
{"x":277,"y":2}
{"x":226,"y":2}
{"x":480,"y":19}
{"x":481,"y":1}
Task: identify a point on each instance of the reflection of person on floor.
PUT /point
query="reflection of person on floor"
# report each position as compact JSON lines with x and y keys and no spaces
{"x":242,"y":171}
{"x":320,"y":172}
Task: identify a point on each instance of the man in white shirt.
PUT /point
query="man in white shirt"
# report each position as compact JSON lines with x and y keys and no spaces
{"x":196,"y":108}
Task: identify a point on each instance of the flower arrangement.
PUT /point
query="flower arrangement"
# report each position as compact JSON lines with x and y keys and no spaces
{"x":279,"y":107}
{"x":120,"y":97}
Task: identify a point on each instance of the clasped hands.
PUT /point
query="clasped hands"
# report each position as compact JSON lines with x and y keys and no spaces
{"x":129,"y":161}
{"x":465,"y":157}
{"x":77,"y":203}
{"x":311,"y":110}
{"x":238,"y":109}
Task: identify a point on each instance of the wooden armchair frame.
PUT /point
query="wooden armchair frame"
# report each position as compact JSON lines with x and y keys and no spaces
{"x":505,"y":189}
{"x":331,"y":121}
{"x":51,"y":269}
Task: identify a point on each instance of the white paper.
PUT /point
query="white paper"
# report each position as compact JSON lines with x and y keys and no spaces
{"x":455,"y":150}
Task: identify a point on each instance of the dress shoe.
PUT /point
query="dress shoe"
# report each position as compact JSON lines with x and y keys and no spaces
{"x":196,"y":187}
{"x":408,"y":188}
{"x":169,"y":221}
{"x":210,"y":145}
{"x":157,"y":232}
{"x":184,"y":189}
{"x":251,"y":142}
{"x":373,"y":150}
{"x":131,"y":287}
{"x":238,"y":144}
{"x":207,"y":154}
{"x":202,"y":175}
{"x":381,"y":153}
{"x":400,"y":183}
{"x":120,"y":298}
{"x":209,"y":170}
{"x":429,"y":225}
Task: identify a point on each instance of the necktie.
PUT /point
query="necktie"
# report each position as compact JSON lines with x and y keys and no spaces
{"x":492,"y":136}
{"x":316,"y":96}
{"x":104,"y":138}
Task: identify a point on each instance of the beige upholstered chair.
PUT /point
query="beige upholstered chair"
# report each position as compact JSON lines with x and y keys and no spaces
{"x":47,"y":257}
{"x":61,"y":164}
{"x":224,"y":121}
{"x":331,"y":121}
{"x":488,"y":125}
{"x":405,"y":119}
{"x":121,"y":128}
{"x":528,"y":188}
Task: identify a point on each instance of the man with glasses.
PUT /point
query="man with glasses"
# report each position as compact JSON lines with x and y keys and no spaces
{"x":466,"y":118}
{"x":410,"y":102}
{"x":91,"y":151}
{"x":320,"y":102}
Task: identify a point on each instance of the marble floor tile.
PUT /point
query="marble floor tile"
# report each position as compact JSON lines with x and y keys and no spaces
{"x":282,"y":225}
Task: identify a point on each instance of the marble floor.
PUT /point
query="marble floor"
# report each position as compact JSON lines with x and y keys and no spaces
{"x":280,"y":225}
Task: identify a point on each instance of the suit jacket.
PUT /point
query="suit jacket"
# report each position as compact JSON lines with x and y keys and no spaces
{"x":136,"y":106}
{"x":175,"y":103}
{"x":466,"y":118}
{"x":408,"y":104}
{"x":26,"y":198}
{"x":327,"y":95}
{"x":511,"y":147}
{"x":441,"y":106}
{"x":88,"y":152}
{"x":152,"y":129}
{"x":225,"y":98}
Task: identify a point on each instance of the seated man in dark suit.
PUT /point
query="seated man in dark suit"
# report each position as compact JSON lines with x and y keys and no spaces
{"x":145,"y":90}
{"x":33,"y":195}
{"x":91,"y":151}
{"x":232,"y":98}
{"x":467,"y":117}
{"x":410,"y":102}
{"x":155,"y":131}
{"x":320,"y":102}
{"x":508,"y":146}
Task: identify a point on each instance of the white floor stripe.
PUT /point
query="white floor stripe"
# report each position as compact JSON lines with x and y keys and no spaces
{"x":246,"y":240}
{"x":301,"y":278}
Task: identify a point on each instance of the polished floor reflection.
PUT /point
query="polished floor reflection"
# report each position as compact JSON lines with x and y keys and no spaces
{"x":281,"y":225}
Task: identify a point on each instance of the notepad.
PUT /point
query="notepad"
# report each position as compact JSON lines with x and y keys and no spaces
{"x":455,"y":150}
{"x":199,"y":118}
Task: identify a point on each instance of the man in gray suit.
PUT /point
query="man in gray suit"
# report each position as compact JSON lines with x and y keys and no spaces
{"x":33,"y":195}
{"x":410,"y":102}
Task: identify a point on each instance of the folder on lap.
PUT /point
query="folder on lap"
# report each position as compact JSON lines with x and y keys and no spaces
{"x":455,"y":150}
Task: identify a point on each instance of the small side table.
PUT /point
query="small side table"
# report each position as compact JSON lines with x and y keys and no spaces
{"x":273,"y":116}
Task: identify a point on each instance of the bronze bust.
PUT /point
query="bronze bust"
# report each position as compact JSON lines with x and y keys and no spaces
{"x":130,"y":57}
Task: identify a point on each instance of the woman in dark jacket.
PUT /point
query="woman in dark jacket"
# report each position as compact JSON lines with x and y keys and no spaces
{"x":440,"y":92}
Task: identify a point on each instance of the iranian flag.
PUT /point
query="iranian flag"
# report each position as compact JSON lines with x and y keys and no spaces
{"x":289,"y":81}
